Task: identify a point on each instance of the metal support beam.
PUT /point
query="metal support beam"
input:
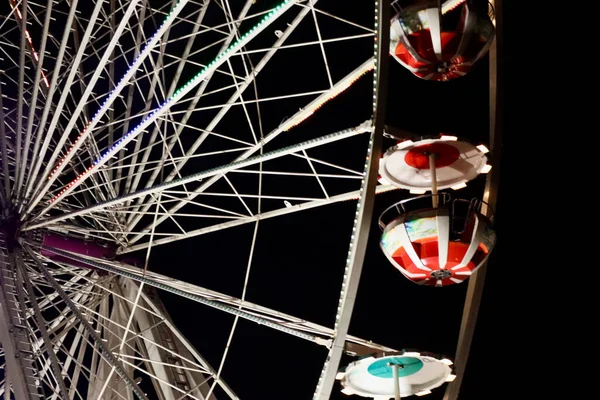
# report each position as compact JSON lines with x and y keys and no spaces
{"x":4,"y":150}
{"x":80,"y":105}
{"x":19,"y":133}
{"x":142,"y":278}
{"x":34,"y":97}
{"x":39,"y":153}
{"x":364,"y":211}
{"x":14,"y":336}
{"x":123,"y":82}
{"x":145,"y":321}
{"x":185,"y":289}
{"x":265,"y":215}
{"x":41,"y":325}
{"x":135,"y":177}
{"x":477,"y":279}
{"x":295,"y":119}
{"x":208,"y":173}
{"x":166,"y":105}
{"x":106,"y":353}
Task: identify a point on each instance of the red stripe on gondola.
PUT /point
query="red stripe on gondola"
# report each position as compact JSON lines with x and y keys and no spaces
{"x":428,"y":252}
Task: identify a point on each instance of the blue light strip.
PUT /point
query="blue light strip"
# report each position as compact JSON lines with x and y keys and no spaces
{"x":117,"y":89}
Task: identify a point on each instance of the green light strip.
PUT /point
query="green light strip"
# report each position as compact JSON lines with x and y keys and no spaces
{"x":231,"y":48}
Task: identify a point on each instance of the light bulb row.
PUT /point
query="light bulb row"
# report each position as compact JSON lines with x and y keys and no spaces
{"x":320,"y":104}
{"x":28,"y":36}
{"x":147,"y":120}
{"x":355,"y":223}
{"x":113,"y":93}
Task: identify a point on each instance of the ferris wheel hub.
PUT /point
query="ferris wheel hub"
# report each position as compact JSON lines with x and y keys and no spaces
{"x":441,"y":274}
{"x":443,"y":67}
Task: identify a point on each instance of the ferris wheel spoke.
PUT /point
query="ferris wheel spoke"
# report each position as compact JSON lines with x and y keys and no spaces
{"x":309,"y":43}
{"x":323,"y":53}
{"x":47,"y":298}
{"x":175,"y":80}
{"x":36,"y":326}
{"x":83,"y":98}
{"x":57,"y":109}
{"x":265,"y":316}
{"x":128,"y":103}
{"x":239,"y":81}
{"x":183,"y":197}
{"x":132,"y":185}
{"x":150,"y":166}
{"x":112,"y":20}
{"x":199,"y":371}
{"x":306,"y":112}
{"x":107,"y":355}
{"x":205,"y":174}
{"x":331,"y":185}
{"x":130,"y":175}
{"x":39,"y":77}
{"x":4,"y":150}
{"x":14,"y":331}
{"x":168,"y":237}
{"x":80,"y":371}
{"x":296,"y":119}
{"x":240,"y":196}
{"x":114,"y":330}
{"x":221,"y":212}
{"x":19,"y":166}
{"x":25,"y":42}
{"x":145,"y":341}
{"x":75,"y":291}
{"x":82,"y":374}
{"x":41,"y":325}
{"x":66,"y":320}
{"x":156,"y":166}
{"x":362,"y":218}
{"x":61,"y":326}
{"x":79,"y":43}
{"x":165,"y":106}
{"x":242,"y":300}
{"x":156,"y":131}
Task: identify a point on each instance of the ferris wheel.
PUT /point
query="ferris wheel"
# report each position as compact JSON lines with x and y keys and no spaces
{"x":127,"y":127}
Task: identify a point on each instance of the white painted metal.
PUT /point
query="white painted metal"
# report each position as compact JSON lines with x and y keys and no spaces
{"x":201,"y":175}
{"x":20,"y":368}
